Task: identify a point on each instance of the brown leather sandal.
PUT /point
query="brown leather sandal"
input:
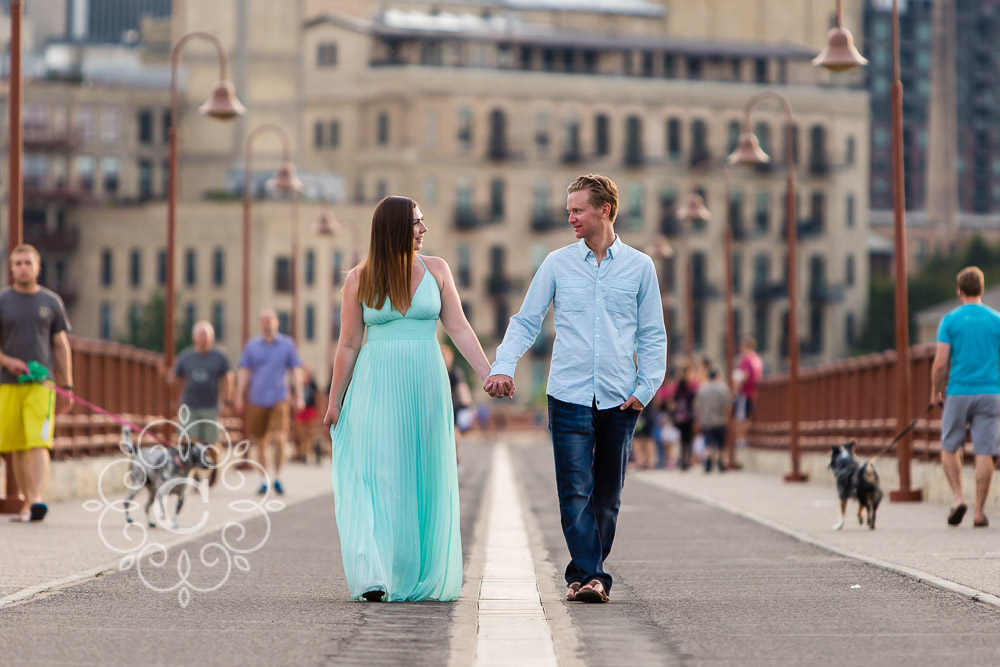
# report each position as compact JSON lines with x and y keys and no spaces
{"x":572,"y":590}
{"x":592,"y":592}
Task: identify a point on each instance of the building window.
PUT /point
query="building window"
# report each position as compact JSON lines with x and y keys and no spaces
{"x":542,"y":133}
{"x":310,"y":323}
{"x":849,"y":328}
{"x":145,"y":179}
{"x":161,"y":268}
{"x":107,"y":267}
{"x":850,"y":210}
{"x":334,"y":134}
{"x":762,"y":214}
{"x":498,"y":135}
{"x":760,"y":70}
{"x":190,"y":268}
{"x":430,"y":190}
{"x":111,"y":125}
{"x":674,"y":138}
{"x":145,"y":126}
{"x":190,"y":316}
{"x":464,"y":273}
{"x":737,"y":273}
{"x":763,"y":132}
{"x":465,"y":129}
{"x":849,"y":151}
{"x":669,"y":66}
{"x":636,"y":195}
{"x":734,"y":135}
{"x":318,"y":134}
{"x":86,"y":123}
{"x":694,"y":68}
{"x":338,"y":268}
{"x":135,"y":267}
{"x":699,"y":142}
{"x":284,"y":322}
{"x":633,"y":140}
{"x":110,"y":173}
{"x":282,"y":275}
{"x":381,"y":189}
{"x":335,"y":321}
{"x":166,"y":126}
{"x":310,"y":268}
{"x":106,"y":319}
{"x":85,"y":165}
{"x":818,"y":217}
{"x":760,"y":328}
{"x":326,"y":55}
{"x":219,"y":320}
{"x":382,"y":135}
{"x":849,"y":271}
{"x":602,"y":138}
{"x":497,"y":196}
{"x":219,"y":267}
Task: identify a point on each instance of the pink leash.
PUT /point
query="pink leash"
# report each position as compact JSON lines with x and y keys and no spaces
{"x":113,"y":417}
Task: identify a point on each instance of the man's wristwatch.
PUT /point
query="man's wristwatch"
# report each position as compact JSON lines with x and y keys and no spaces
{"x":67,"y":387}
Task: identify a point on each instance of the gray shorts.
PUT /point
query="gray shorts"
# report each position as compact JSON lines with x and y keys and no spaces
{"x":982,"y":413}
{"x":204,"y":425}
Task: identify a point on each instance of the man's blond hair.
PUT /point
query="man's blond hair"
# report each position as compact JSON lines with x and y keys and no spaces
{"x":971,"y":281}
{"x":602,"y":191}
{"x":26,"y":247}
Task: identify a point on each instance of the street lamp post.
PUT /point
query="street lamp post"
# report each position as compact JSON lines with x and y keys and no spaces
{"x":695,"y":211}
{"x":12,"y":501}
{"x":839,"y":57}
{"x":222,"y":105}
{"x":284,"y":180}
{"x":748,"y":152}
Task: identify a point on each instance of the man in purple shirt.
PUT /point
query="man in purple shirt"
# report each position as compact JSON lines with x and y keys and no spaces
{"x":263,"y":365}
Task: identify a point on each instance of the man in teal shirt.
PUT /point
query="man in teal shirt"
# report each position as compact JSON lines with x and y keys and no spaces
{"x":968,"y":362}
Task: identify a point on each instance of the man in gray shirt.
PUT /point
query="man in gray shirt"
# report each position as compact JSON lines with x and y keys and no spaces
{"x":712,"y":405}
{"x":207,"y":374}
{"x":33,"y":326}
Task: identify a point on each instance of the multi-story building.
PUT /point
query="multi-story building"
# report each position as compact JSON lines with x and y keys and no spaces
{"x":484,"y":112}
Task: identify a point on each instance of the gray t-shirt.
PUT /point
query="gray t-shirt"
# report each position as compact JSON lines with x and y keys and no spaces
{"x":201,"y":373}
{"x":27,"y":324}
{"x":712,"y":403}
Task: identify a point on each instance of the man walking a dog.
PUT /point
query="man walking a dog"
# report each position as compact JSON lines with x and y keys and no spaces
{"x":609,"y":358}
{"x":33,"y":326}
{"x":965,"y":378}
{"x":263,"y":366}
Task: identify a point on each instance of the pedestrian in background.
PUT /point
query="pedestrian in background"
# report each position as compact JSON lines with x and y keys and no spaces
{"x":207,"y":376}
{"x":682,"y":414}
{"x":307,"y":423}
{"x":461,"y":397}
{"x":262,"y":395}
{"x":748,"y":372}
{"x":965,"y":378}
{"x":33,"y":327}
{"x":713,"y":404}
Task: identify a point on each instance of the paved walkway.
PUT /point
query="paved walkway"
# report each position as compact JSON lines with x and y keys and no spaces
{"x":910,"y":538}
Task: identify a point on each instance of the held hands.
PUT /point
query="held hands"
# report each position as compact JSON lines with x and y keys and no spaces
{"x":14,"y":366}
{"x":937,"y":398}
{"x":499,"y":386}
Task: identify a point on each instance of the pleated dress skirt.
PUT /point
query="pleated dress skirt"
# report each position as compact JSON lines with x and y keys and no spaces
{"x":395,"y":481}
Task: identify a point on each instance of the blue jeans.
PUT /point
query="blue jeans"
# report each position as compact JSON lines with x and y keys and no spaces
{"x":591,"y":449}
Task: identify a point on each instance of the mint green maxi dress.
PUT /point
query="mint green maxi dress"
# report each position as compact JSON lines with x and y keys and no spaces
{"x":395,"y":481}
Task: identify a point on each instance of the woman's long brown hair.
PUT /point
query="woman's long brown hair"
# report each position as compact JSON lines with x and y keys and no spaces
{"x":385,"y":273}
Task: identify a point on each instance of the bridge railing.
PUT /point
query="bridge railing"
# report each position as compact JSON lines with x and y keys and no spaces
{"x":850,"y":399}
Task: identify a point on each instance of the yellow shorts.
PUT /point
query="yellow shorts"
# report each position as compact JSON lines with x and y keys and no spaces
{"x":27,"y":417}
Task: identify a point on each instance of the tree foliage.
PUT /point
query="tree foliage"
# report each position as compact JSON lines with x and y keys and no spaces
{"x":144,"y":326}
{"x":931,"y":284}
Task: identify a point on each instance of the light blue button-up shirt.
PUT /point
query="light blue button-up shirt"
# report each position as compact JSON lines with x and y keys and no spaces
{"x":610,"y":340}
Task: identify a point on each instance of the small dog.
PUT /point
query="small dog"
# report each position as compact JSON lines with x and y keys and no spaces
{"x":855,"y":480}
{"x":163,"y":471}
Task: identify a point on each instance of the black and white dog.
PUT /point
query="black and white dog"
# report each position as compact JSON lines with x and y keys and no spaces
{"x":855,"y":480}
{"x":164,"y":471}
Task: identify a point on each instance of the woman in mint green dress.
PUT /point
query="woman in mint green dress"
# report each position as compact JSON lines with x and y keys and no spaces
{"x":395,"y":482}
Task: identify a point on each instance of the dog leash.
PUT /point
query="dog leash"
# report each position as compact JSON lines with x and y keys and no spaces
{"x":902,"y":434}
{"x":39,"y":374}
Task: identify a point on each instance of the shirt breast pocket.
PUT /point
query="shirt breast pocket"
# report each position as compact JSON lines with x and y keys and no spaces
{"x":571,"y":296}
{"x":621,"y":297}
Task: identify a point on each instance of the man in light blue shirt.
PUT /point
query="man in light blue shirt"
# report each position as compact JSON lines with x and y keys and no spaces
{"x":608,"y":359}
{"x":967,"y":360}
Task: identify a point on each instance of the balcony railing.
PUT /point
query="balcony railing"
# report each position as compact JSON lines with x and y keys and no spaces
{"x":822,"y":293}
{"x":548,"y":219}
{"x":769,"y":291}
{"x":468,"y":217}
{"x":702,"y":290}
{"x":59,"y":240}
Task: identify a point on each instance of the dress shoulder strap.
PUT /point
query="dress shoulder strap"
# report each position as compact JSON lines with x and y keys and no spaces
{"x":422,"y":262}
